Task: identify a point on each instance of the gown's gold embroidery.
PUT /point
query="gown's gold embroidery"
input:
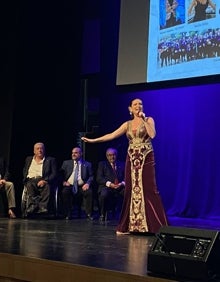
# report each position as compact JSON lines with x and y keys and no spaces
{"x":139,"y":147}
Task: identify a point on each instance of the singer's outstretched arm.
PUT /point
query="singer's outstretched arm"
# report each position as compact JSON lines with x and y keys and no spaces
{"x":107,"y":137}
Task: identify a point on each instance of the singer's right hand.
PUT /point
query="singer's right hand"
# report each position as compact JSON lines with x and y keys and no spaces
{"x":85,"y":139}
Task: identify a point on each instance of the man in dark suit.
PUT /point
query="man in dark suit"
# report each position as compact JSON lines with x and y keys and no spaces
{"x":8,"y":187}
{"x":77,"y":177}
{"x":40,"y":175}
{"x":110,"y":180}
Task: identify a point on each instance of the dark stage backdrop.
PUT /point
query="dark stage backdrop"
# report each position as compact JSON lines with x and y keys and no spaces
{"x":187,"y":148}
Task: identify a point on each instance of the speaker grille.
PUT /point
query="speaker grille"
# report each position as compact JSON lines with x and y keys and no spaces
{"x":185,"y":252}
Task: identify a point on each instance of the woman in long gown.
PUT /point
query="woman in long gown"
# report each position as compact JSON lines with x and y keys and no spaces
{"x":142,"y":209}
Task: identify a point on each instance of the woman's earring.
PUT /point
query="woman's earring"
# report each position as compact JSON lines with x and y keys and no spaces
{"x":130,"y":113}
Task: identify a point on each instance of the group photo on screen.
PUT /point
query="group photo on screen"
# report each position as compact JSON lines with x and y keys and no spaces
{"x":187,"y":46}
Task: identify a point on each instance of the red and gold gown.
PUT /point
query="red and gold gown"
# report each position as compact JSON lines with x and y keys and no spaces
{"x":142,"y":209}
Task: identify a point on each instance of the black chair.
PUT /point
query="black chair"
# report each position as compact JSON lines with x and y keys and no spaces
{"x":3,"y":203}
{"x":114,"y":207}
{"x":52,"y":206}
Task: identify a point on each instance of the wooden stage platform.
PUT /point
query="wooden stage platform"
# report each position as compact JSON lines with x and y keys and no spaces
{"x":77,"y":250}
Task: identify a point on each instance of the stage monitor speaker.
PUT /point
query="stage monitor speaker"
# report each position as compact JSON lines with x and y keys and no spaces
{"x":181,"y":252}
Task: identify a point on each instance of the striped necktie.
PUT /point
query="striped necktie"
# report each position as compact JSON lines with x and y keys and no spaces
{"x":75,"y":178}
{"x":115,"y":172}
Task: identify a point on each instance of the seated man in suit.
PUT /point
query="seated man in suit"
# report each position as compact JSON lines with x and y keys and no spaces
{"x":110,"y":180}
{"x":40,"y":174}
{"x":77,"y":177}
{"x":8,"y":187}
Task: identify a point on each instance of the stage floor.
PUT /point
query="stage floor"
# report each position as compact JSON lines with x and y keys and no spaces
{"x":84,"y":242}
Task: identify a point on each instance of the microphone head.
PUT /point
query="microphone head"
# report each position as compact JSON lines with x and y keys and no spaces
{"x":141,"y":114}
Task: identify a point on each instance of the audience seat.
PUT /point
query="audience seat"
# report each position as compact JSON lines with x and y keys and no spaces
{"x":3,"y":203}
{"x":52,"y":206}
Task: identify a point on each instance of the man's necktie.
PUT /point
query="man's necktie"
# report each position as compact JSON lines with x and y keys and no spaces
{"x":75,"y":177}
{"x":115,"y":172}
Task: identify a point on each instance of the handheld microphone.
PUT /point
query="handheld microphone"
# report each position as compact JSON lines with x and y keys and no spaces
{"x":142,"y":115}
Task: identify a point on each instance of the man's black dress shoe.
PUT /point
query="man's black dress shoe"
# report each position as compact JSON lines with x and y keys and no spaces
{"x":102,"y":218}
{"x":42,"y":210}
{"x":89,"y":217}
{"x":31,"y":210}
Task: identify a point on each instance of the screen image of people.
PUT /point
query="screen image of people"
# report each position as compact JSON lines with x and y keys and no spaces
{"x":199,"y":10}
{"x":187,"y":35}
{"x":172,"y":13}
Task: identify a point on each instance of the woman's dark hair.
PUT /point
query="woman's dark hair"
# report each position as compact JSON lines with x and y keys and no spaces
{"x":131,"y":114}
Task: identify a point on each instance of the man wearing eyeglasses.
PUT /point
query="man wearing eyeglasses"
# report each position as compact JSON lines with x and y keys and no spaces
{"x":110,"y":180}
